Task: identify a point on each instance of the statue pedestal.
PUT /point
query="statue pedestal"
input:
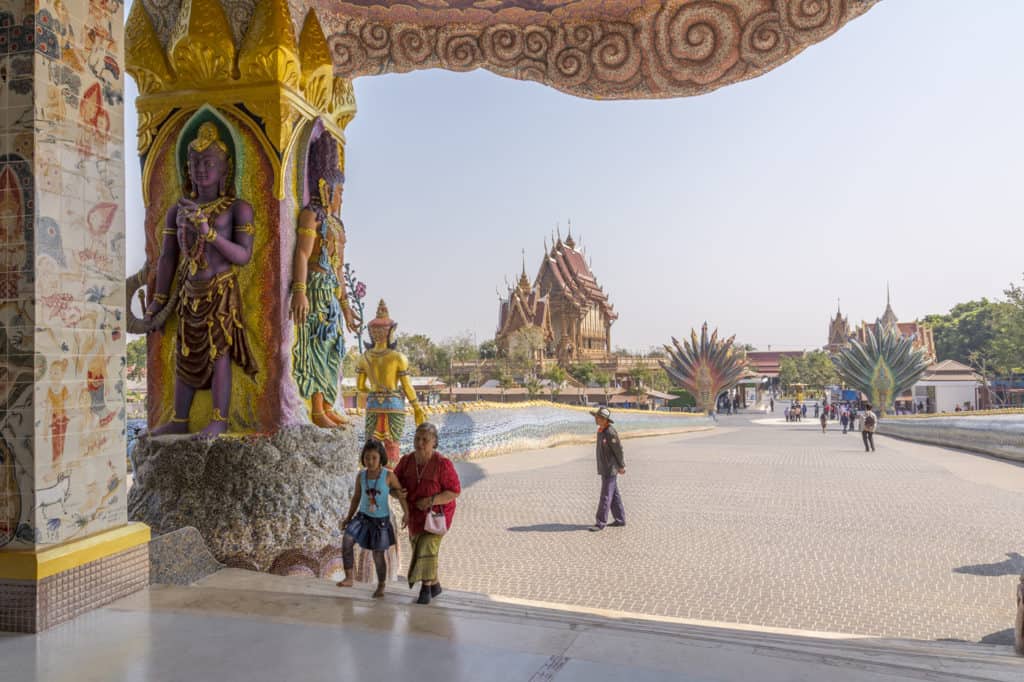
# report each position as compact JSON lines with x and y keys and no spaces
{"x":255,"y":499}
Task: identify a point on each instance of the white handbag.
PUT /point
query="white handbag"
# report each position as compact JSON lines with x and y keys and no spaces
{"x":435,"y":523}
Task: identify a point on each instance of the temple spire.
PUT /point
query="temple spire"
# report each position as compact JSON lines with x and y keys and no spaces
{"x":524,"y":281}
{"x":569,"y":241}
{"x":889,"y":318}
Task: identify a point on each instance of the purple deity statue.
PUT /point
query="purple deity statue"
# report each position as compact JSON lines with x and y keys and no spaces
{"x":213,"y":231}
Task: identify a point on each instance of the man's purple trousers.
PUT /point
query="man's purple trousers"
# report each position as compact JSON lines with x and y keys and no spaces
{"x":610,"y":498}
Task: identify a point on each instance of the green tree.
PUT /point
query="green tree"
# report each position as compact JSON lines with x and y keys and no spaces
{"x":583,"y":372}
{"x":971,"y":327}
{"x":524,"y":348}
{"x":533,"y":388}
{"x":789,"y":373}
{"x":425,"y":357}
{"x":604,"y":380}
{"x":350,"y":361}
{"x":638,"y":378}
{"x":488,"y":350}
{"x":683,"y":398}
{"x":818,"y":370}
{"x":505,"y":380}
{"x":557,"y":376}
{"x":461,"y":348}
{"x":135,"y":358}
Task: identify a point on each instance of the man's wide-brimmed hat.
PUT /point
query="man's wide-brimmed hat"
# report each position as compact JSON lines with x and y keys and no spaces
{"x":603,"y":413}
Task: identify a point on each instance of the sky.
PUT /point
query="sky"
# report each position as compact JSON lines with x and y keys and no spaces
{"x":892,"y":152}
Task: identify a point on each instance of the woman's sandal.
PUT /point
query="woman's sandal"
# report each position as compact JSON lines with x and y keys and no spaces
{"x":347,"y":582}
{"x":424,"y":595}
{"x":379,"y":592}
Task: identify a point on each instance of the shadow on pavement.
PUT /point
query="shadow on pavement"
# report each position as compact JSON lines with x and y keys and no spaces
{"x":469,"y":473}
{"x":1000,"y":637}
{"x":549,"y":528}
{"x":1013,"y":565}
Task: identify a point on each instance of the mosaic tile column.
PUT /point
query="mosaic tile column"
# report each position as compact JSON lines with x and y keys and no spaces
{"x":65,"y":544}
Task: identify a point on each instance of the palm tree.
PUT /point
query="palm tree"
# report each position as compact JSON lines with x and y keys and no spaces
{"x":705,"y":367}
{"x":883,"y":367}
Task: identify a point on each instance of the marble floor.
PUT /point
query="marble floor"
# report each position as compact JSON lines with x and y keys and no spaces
{"x":251,"y":627}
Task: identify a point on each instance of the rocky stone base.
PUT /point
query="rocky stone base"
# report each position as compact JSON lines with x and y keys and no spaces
{"x":256,"y":500}
{"x":180,"y":557}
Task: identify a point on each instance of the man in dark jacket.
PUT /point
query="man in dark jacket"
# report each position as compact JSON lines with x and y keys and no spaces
{"x":610,"y":464}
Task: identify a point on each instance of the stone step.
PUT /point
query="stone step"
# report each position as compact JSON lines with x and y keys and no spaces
{"x":913,"y":659}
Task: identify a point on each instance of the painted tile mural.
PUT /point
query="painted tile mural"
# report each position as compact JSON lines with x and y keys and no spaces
{"x":17,"y":313}
{"x":62,"y":432}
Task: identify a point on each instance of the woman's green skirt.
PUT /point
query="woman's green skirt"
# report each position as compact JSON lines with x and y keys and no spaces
{"x":423,"y":566}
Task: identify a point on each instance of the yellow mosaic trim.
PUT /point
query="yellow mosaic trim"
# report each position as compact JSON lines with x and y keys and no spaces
{"x":478,"y":405}
{"x":36,"y":565}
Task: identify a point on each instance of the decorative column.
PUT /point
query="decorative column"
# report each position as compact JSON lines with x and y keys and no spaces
{"x":270,"y":94}
{"x":258,"y":100}
{"x":65,"y":543}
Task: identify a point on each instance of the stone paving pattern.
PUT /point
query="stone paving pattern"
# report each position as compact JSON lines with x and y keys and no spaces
{"x":774,"y":525}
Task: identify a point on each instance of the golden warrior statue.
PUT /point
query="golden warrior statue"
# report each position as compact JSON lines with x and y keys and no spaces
{"x":380,"y":373}
{"x":214,"y":232}
{"x":319,"y":305}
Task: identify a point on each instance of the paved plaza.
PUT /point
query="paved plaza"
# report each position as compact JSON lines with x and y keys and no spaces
{"x":758,"y":522}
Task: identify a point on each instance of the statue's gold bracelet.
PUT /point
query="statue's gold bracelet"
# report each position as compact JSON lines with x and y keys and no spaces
{"x":298,"y":287}
{"x":211,"y":235}
{"x":160,"y":298}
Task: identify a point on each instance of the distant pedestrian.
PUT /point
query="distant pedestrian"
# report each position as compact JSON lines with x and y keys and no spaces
{"x":771,"y":401}
{"x":844,"y":419}
{"x":610,"y":464}
{"x":803,"y":410}
{"x":824,"y":421}
{"x":867,"y":429}
{"x":816,"y":408}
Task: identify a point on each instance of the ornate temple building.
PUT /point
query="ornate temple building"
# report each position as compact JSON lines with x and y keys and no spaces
{"x":839,"y":331}
{"x":524,"y":307}
{"x":565,"y":302}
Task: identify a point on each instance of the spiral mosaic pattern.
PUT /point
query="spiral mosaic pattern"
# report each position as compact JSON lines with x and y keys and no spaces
{"x":657,"y":49}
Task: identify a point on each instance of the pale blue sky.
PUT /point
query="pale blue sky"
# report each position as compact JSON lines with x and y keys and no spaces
{"x":893,"y":151}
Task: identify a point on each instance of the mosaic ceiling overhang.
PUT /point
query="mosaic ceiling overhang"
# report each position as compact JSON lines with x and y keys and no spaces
{"x":601,"y":49}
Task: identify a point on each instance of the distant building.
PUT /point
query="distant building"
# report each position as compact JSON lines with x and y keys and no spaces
{"x":839,"y":331}
{"x":945,"y":386}
{"x":565,"y":303}
{"x":524,"y":307}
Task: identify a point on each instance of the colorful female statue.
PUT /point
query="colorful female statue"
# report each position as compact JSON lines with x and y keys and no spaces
{"x":214,"y":231}
{"x":381,"y":372}
{"x":319,"y":305}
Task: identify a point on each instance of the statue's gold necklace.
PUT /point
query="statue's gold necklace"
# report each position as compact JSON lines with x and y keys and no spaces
{"x":196,"y":253}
